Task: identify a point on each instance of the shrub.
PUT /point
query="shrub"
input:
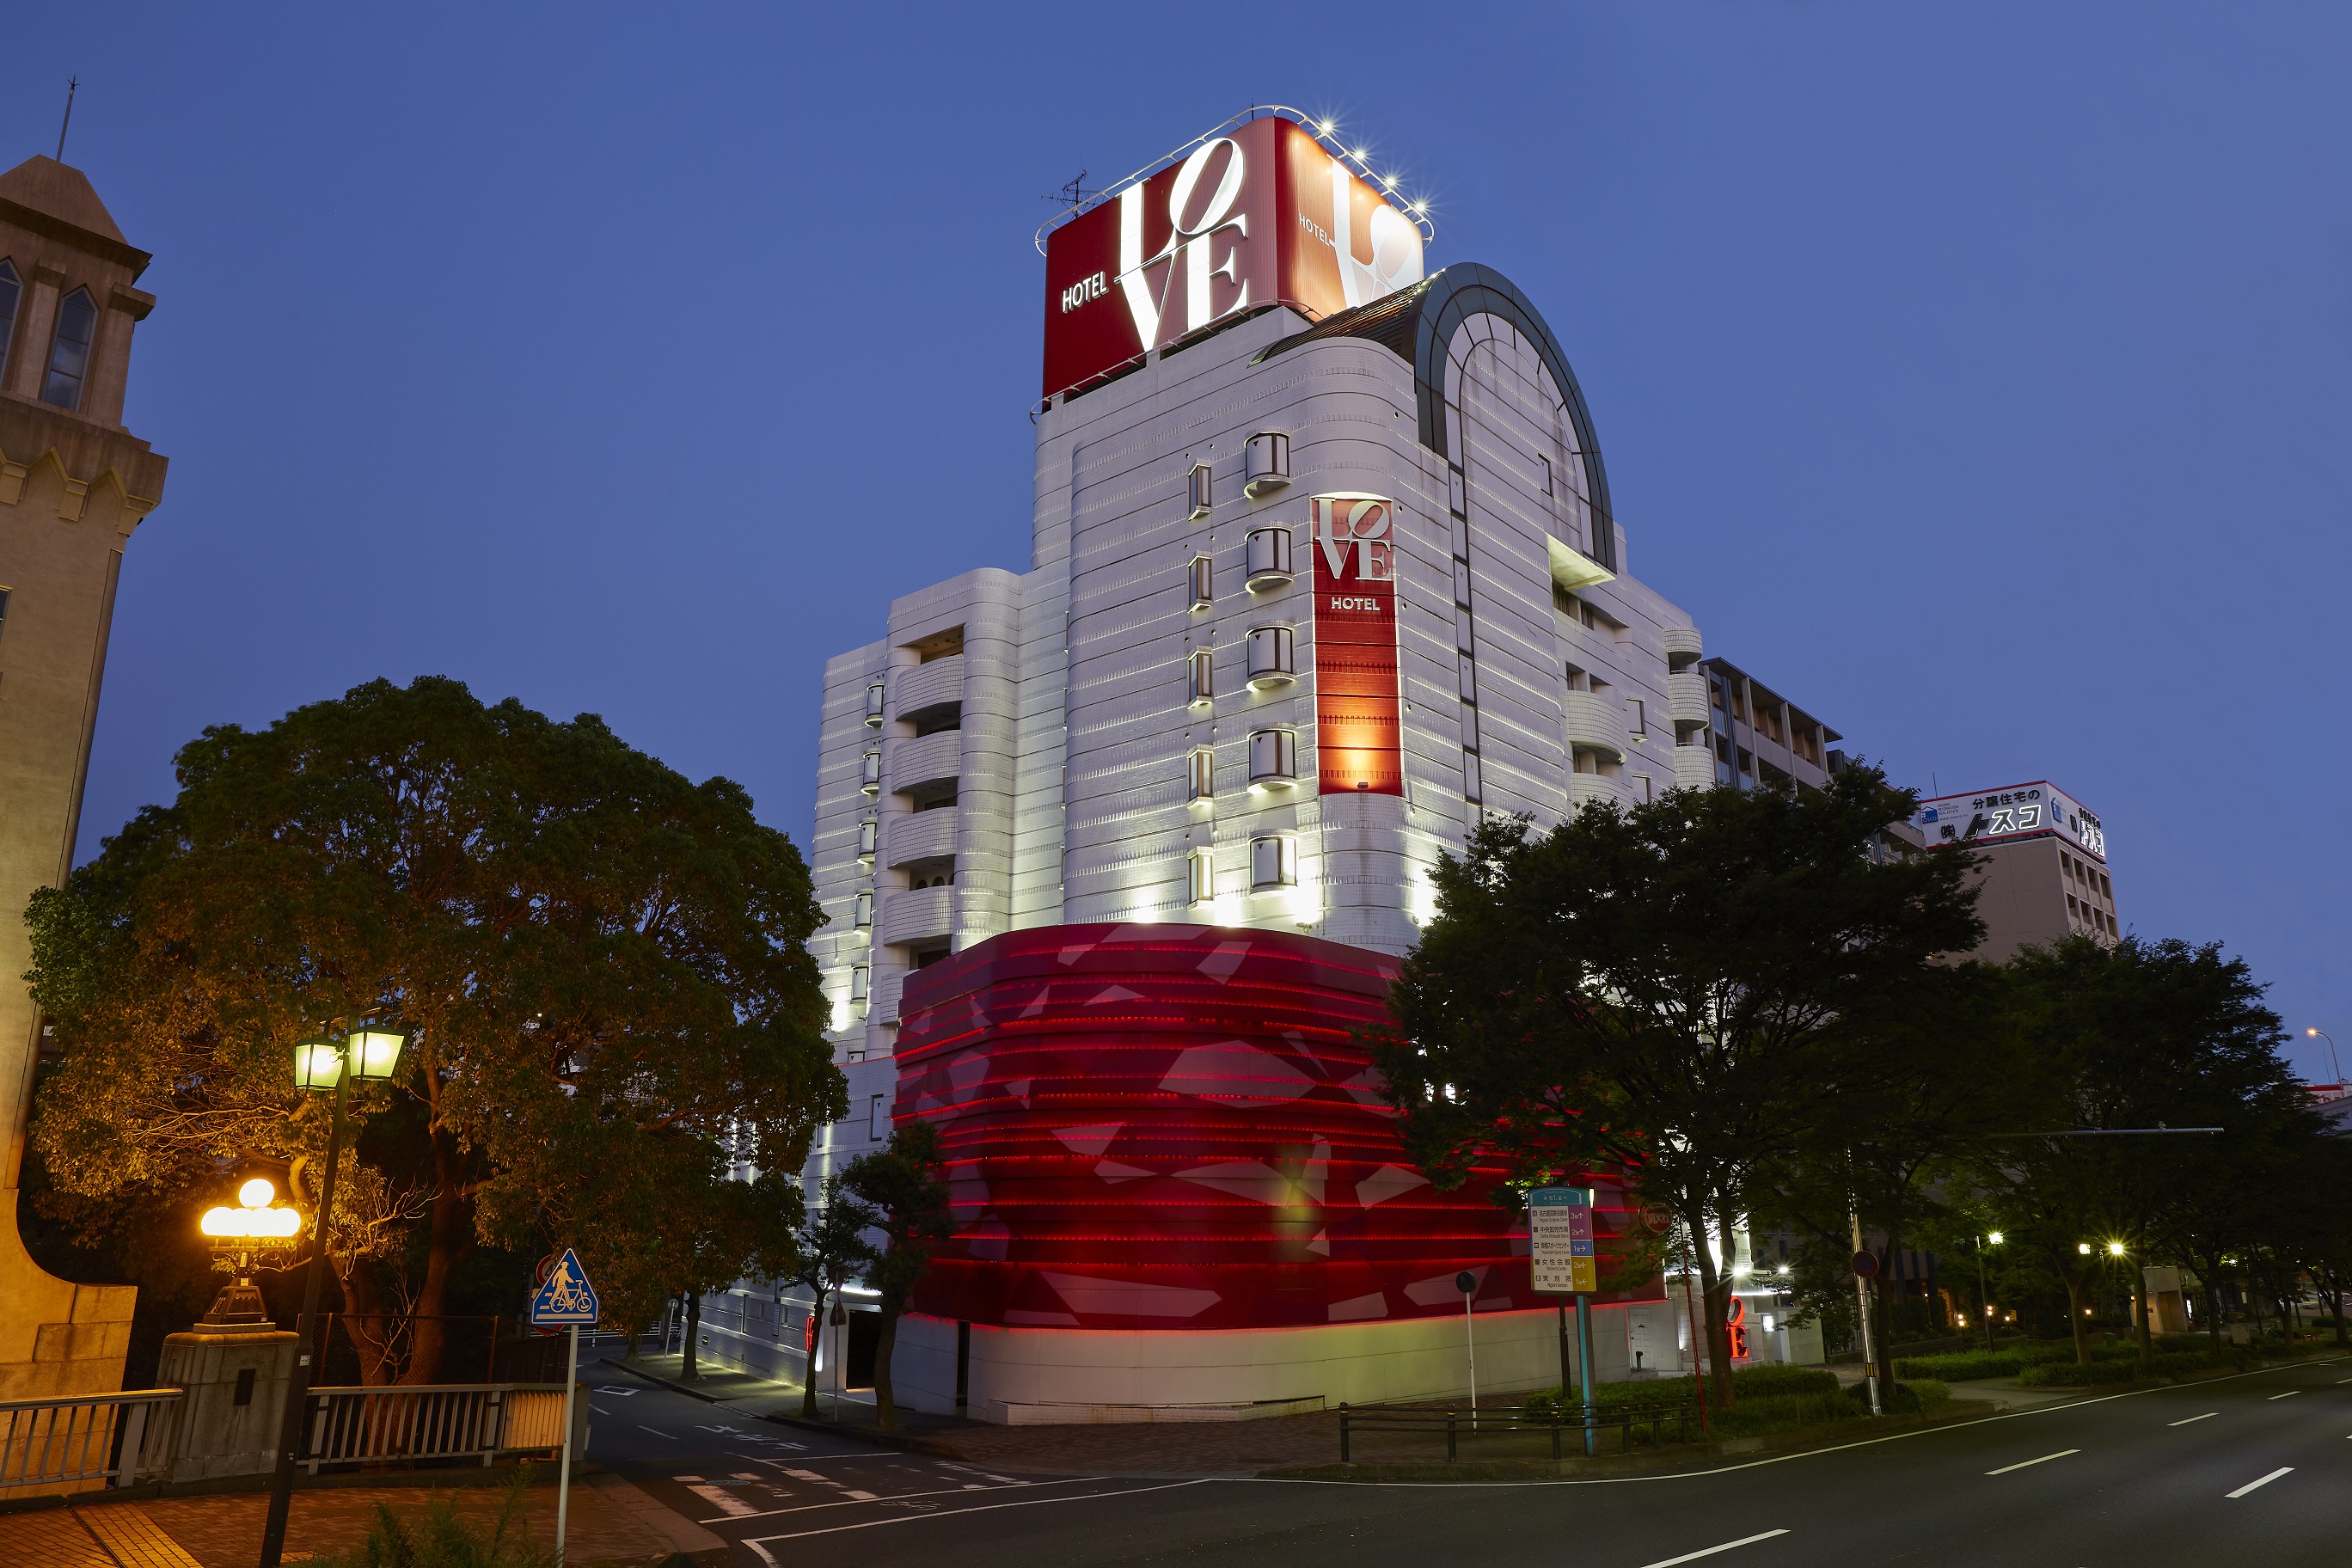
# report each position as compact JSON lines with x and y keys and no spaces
{"x":2069,"y":1375}
{"x":1903,"y":1399}
{"x":1932,"y":1393}
{"x":1771,"y":1382}
{"x":440,"y":1538}
{"x":1960,"y":1366}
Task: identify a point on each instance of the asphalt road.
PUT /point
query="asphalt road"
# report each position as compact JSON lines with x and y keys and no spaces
{"x":2251,"y":1469}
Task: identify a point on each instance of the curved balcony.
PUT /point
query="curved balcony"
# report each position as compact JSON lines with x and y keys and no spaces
{"x":1693,"y":767}
{"x":916,"y":914}
{"x":1596,"y":723}
{"x":1682,"y":641}
{"x":1585,"y":789}
{"x":920,"y":835}
{"x":927,"y":759}
{"x":916,"y":686}
{"x":1687,"y":697}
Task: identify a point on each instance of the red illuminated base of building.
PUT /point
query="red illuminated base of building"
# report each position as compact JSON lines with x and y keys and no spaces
{"x":1164,"y":1128}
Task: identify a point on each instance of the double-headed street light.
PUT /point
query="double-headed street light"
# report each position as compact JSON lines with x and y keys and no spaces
{"x":370,"y":1052}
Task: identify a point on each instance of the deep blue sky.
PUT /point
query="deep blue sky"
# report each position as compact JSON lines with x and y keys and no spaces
{"x":1975,"y":376}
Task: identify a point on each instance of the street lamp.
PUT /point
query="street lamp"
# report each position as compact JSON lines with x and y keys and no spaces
{"x":2324,"y":1034}
{"x":1984,"y":1295}
{"x":253,"y":1236}
{"x":370,"y":1052}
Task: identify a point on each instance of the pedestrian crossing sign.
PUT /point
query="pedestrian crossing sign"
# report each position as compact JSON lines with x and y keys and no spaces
{"x":567,"y":1299}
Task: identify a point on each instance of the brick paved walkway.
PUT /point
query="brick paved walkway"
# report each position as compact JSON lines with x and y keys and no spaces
{"x":611,"y":1522}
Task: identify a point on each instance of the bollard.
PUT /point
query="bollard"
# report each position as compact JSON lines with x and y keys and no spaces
{"x":1450,"y":1450}
{"x":1343,"y":1431}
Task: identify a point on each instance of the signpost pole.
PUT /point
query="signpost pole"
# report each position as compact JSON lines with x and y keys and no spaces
{"x":563,"y":1480}
{"x":1861,"y":1311}
{"x":1585,"y":1371}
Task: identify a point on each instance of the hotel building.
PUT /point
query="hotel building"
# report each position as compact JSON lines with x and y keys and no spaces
{"x":1119,"y":850}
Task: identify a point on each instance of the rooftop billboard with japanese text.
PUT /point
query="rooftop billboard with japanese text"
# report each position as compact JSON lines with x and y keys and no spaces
{"x":2013,"y":811}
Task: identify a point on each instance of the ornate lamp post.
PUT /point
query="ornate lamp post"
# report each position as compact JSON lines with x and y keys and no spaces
{"x":253,"y":1236}
{"x":370,"y":1052}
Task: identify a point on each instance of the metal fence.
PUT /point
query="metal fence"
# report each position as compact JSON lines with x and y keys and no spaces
{"x":475,"y":1421}
{"x":113,"y":1439}
{"x":1649,"y":1420}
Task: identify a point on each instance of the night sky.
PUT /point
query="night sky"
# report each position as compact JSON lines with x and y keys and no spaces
{"x":1974,"y":375}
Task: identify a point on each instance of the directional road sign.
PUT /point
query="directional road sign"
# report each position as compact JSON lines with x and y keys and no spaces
{"x":566,"y":1297}
{"x":1559,"y":1236}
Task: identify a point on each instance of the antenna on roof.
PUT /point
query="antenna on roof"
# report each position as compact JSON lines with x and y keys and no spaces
{"x":71,"y":83}
{"x":1073,"y":192}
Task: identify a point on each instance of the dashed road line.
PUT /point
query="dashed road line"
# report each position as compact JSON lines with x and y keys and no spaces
{"x":757,"y":1544}
{"x":1711,"y":1550}
{"x":948,"y":1492}
{"x":2207,"y":1416}
{"x":2290,"y":1393}
{"x":2027,"y":1463}
{"x":2250,"y":1485}
{"x":659,"y":1433}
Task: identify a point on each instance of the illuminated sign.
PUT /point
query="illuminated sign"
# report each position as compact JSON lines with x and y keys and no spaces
{"x":1260,"y":215}
{"x":1561,"y":1257}
{"x":1357,"y":747}
{"x":2019,"y":811}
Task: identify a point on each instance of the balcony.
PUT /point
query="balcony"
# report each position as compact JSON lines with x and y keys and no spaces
{"x":1584,"y":788}
{"x":921,"y":835}
{"x":916,"y":914}
{"x":918,"y":686}
{"x":1694,"y":767}
{"x":1596,"y":723}
{"x":1687,"y":697}
{"x":1682,"y":642}
{"x":927,"y":759}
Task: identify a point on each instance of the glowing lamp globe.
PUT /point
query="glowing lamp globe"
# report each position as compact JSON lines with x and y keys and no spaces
{"x":254,"y":1219}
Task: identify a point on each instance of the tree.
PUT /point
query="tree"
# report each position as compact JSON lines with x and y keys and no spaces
{"x":1666,"y":989}
{"x":903,"y":1182}
{"x":679,"y":1225}
{"x":593,"y":954}
{"x":830,"y":1251}
{"x":2128,"y":1039}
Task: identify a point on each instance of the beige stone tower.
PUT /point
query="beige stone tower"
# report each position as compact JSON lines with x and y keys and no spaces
{"x":73,"y":484}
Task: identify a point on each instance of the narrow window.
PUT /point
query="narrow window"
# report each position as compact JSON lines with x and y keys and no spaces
{"x":1469,"y":677}
{"x":861,"y":980}
{"x":1268,"y":558}
{"x":1202,"y":685}
{"x":1200,"y":781}
{"x":1273,"y":862}
{"x":874,"y":704}
{"x":869,"y":834}
{"x":1641,"y":718}
{"x":1200,"y":875}
{"x":12,"y":289}
{"x":1547,"y":471}
{"x":69,"y":353}
{"x":1268,"y":464}
{"x":1461,"y":582}
{"x":865,"y":916}
{"x":1200,"y":582}
{"x":1641,"y":788}
{"x":869,"y":772}
{"x":874,"y":1119}
{"x":1472,"y":787}
{"x":1197,"y":486}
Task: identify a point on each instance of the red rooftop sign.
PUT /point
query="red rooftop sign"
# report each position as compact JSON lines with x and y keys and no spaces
{"x":1261,"y":215}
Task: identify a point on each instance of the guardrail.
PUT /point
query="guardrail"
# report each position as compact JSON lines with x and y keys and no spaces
{"x":116,"y":1439}
{"x":439,"y":1421}
{"x":1455,"y":1424}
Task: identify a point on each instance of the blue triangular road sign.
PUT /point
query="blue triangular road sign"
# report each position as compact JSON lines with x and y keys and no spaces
{"x":567,"y":1298}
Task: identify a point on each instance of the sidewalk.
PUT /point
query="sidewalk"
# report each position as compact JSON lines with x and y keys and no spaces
{"x":612,"y":1523}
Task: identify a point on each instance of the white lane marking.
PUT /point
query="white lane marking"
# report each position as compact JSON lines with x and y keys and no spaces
{"x":617,"y":1390}
{"x":2024,"y":1464}
{"x":671,"y":1435}
{"x":983,"y":1508}
{"x":945,"y":1491}
{"x":1695,"y":1556}
{"x":2290,"y":1393}
{"x":721,"y":1499}
{"x":598,"y":1408}
{"x":2207,"y":1416}
{"x":2250,"y":1485}
{"x":860,"y":1497}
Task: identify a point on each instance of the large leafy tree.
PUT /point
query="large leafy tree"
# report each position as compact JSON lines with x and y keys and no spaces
{"x":1671,"y":988}
{"x":905,"y":1183}
{"x":2124,"y":1042}
{"x":605,"y":965}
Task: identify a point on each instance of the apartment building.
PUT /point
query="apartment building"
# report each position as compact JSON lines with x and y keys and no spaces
{"x":2045,"y":877}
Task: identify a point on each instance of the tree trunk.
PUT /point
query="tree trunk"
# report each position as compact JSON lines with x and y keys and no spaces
{"x":886,"y":1408}
{"x":364,"y":1323}
{"x":449,"y":1240}
{"x":687,"y":1371}
{"x":808,"y":1367}
{"x":2335,"y":1304}
{"x":1716,"y":1293}
{"x":2075,"y":1313}
{"x":2139,"y":1301}
{"x":2213,"y":1310}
